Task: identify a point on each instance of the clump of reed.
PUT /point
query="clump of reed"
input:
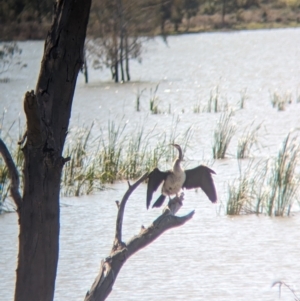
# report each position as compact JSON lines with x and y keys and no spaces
{"x":197,"y":108}
{"x":247,"y":140}
{"x":271,"y":186}
{"x":115,"y":155}
{"x":79,"y":174}
{"x":283,"y":179}
{"x":240,"y":194}
{"x":280,"y":101}
{"x":153,"y":100}
{"x":110,"y":151}
{"x":223,"y":134}
{"x":213,"y":101}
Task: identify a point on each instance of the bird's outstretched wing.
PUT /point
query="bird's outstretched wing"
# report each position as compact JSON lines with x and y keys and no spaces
{"x":155,"y":179}
{"x":201,"y":177}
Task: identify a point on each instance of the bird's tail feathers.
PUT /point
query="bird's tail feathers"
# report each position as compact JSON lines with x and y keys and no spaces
{"x":159,"y":201}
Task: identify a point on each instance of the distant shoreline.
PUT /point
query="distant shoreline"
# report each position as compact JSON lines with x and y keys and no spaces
{"x":263,"y":17}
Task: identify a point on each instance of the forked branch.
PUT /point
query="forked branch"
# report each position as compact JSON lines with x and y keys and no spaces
{"x":13,"y":174}
{"x":121,"y":251}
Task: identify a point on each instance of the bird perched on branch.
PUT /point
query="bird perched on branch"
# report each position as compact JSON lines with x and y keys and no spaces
{"x":177,"y":178}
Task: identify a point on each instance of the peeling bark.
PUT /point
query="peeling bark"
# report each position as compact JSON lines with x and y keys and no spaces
{"x":111,"y":266}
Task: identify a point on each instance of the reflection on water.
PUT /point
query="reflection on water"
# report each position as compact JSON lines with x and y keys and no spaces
{"x":212,"y":257}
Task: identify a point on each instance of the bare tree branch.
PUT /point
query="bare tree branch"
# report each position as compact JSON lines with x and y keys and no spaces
{"x":121,"y":207}
{"x":120,"y":252}
{"x":13,"y":174}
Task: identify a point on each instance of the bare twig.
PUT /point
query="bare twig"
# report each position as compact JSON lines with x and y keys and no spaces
{"x":13,"y":174}
{"x":111,"y":266}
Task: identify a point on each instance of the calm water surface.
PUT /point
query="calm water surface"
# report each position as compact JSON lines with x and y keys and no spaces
{"x":212,"y":257}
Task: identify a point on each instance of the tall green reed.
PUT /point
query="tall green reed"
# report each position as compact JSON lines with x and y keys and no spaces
{"x":223,"y":134}
{"x":76,"y":176}
{"x":116,"y":154}
{"x":271,"y":185}
{"x":240,"y":193}
{"x":247,"y":140}
{"x":154,"y":100}
{"x":284,"y":179}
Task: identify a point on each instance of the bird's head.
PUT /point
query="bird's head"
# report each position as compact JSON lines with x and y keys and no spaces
{"x":176,"y":146}
{"x":179,"y":150}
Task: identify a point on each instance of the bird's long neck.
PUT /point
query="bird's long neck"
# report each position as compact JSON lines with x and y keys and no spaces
{"x":177,"y":162}
{"x":180,"y":155}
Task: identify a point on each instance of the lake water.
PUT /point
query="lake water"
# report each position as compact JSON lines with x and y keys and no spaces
{"x":212,"y":257}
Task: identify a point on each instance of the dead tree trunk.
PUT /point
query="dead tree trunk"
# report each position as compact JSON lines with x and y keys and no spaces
{"x":121,"y":20}
{"x":85,"y":69}
{"x":111,"y":266}
{"x":47,"y":112}
{"x":127,"y":57}
{"x":223,"y":12}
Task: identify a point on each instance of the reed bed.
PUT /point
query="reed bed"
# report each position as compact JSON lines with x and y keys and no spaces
{"x":284,"y":179}
{"x":269,"y":187}
{"x":116,"y":154}
{"x":213,"y":105}
{"x":214,"y":100}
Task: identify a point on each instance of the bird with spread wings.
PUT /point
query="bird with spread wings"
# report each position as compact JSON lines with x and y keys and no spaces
{"x":177,"y":178}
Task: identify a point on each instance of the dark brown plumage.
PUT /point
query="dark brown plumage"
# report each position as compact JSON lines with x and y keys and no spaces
{"x":177,"y":179}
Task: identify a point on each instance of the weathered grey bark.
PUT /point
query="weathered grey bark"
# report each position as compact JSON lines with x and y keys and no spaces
{"x":111,"y":266}
{"x":47,"y":111}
